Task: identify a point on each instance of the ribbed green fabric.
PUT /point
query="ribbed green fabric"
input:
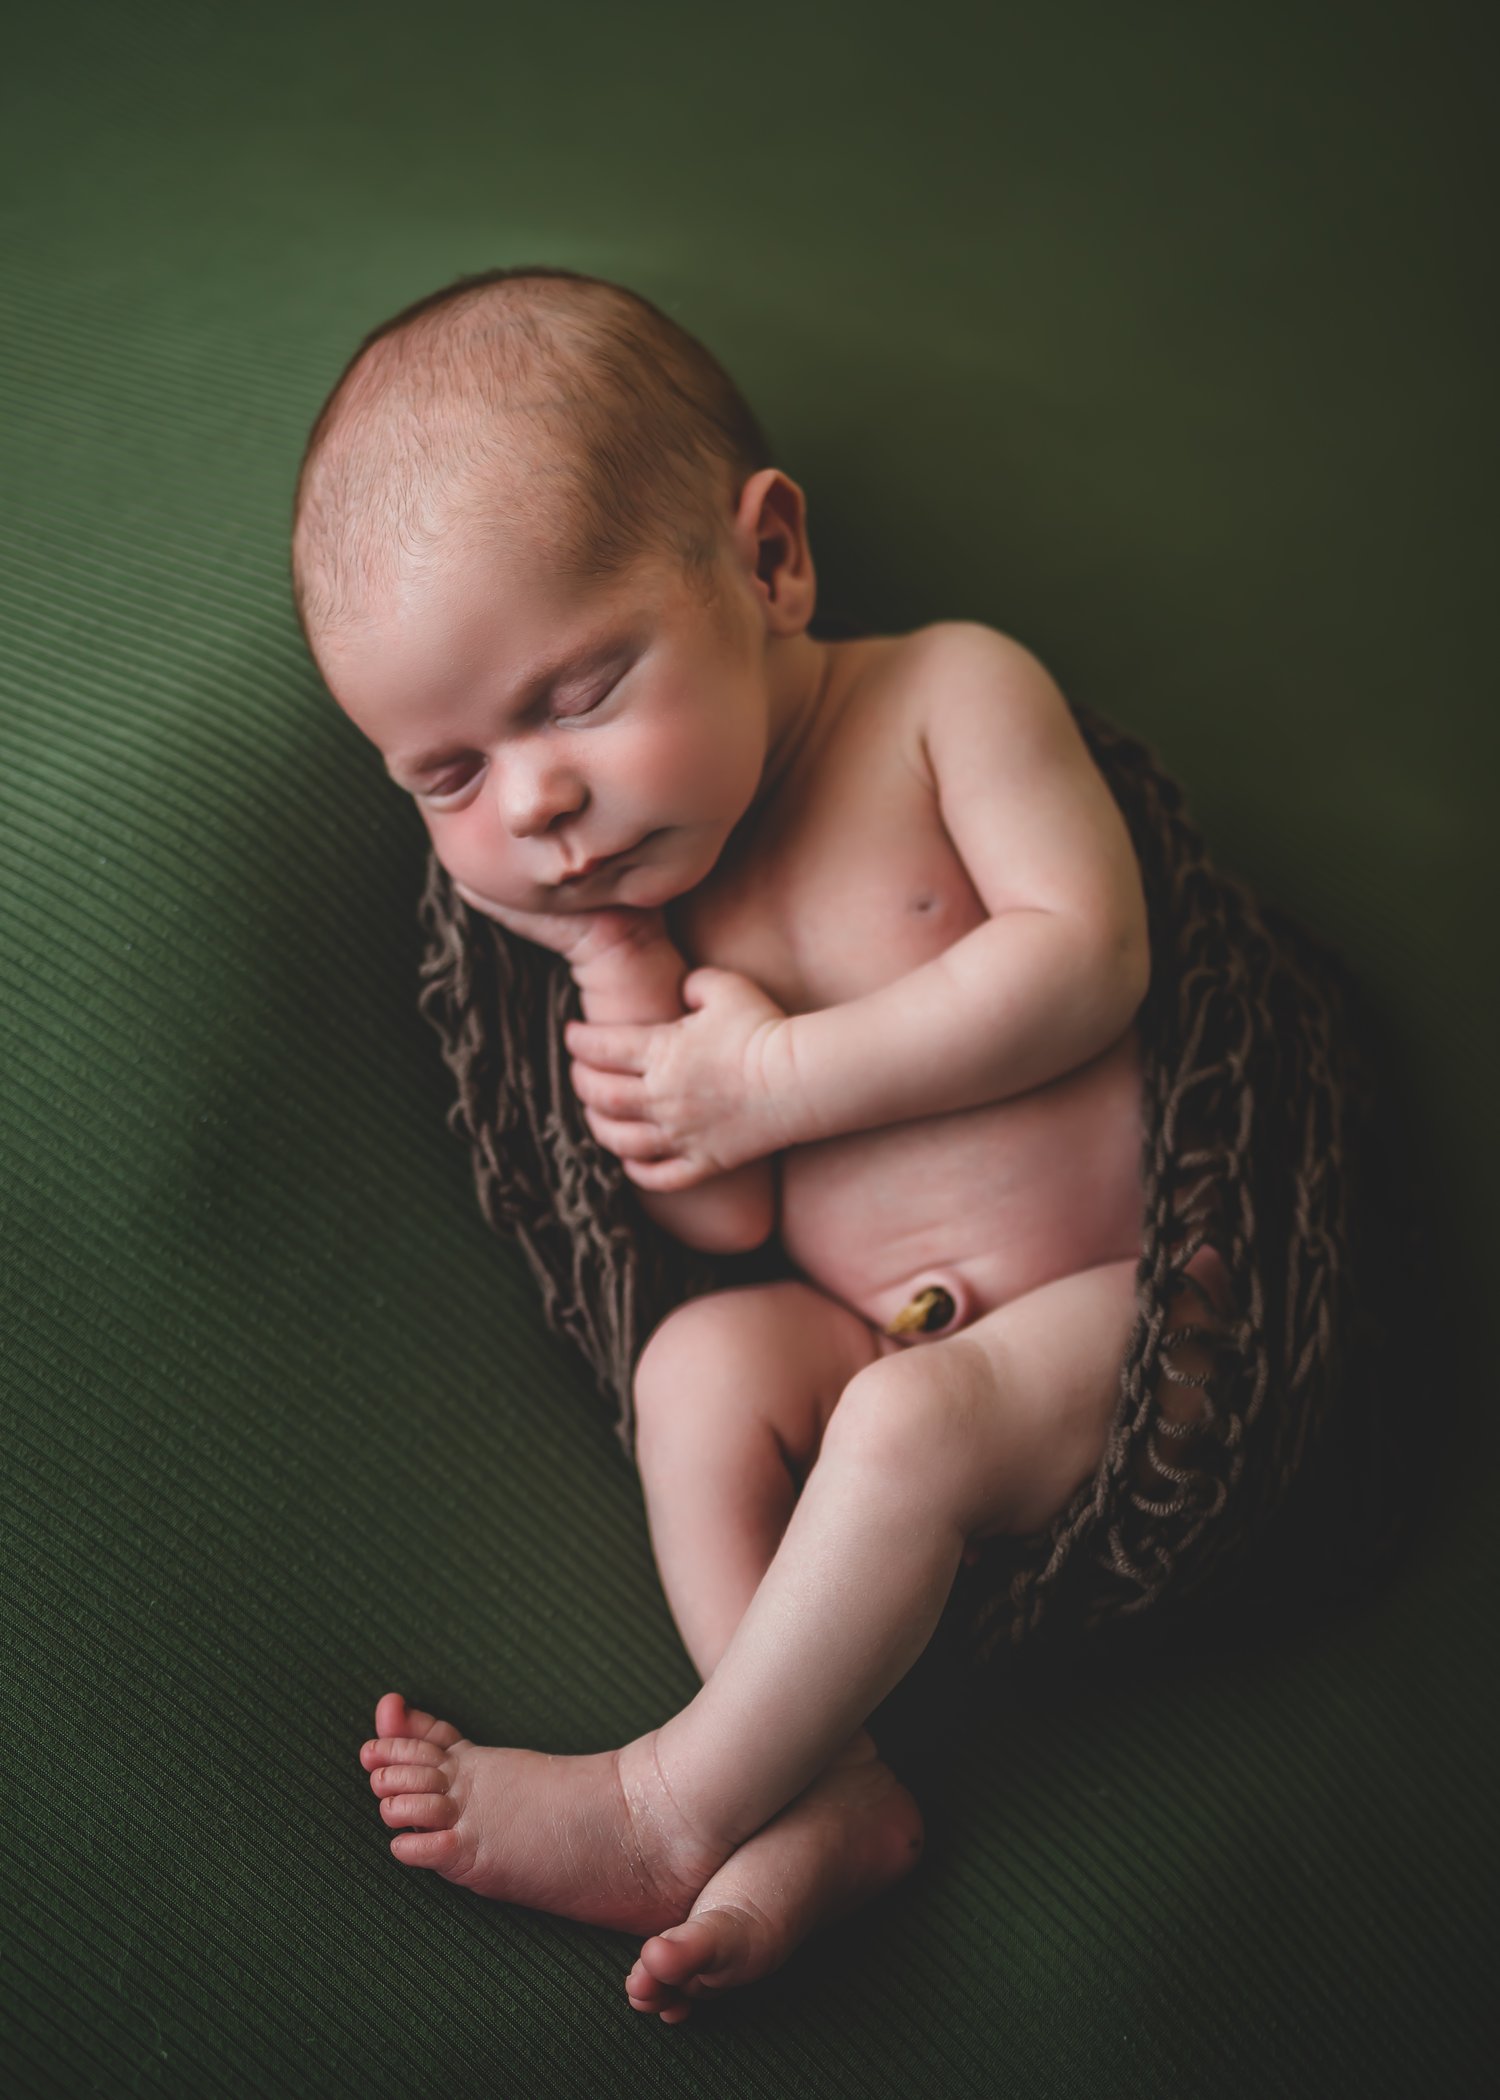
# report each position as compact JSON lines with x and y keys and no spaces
{"x":1152,"y":337}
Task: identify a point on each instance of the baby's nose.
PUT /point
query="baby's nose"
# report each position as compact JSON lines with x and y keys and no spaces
{"x":535,"y":800}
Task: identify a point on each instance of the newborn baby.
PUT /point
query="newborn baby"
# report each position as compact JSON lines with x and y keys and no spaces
{"x":859,"y":938}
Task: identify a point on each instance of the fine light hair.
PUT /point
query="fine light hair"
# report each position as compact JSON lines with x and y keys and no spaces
{"x":529,"y":406}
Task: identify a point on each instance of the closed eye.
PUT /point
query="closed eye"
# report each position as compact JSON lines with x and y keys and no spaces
{"x":444,"y":789}
{"x":441,"y":790}
{"x":598,"y":700}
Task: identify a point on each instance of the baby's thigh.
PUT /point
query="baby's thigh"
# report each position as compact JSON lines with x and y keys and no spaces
{"x":779,"y":1353}
{"x":1007,"y":1419}
{"x":1017,"y":1408}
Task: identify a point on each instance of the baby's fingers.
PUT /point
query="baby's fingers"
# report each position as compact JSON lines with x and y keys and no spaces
{"x":615,"y":1093}
{"x":665,"y":1176}
{"x":628,"y":1141}
{"x":610,"y":1045}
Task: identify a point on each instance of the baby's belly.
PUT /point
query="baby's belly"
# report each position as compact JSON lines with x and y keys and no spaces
{"x":986,"y":1202}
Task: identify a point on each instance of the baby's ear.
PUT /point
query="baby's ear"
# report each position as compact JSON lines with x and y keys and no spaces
{"x":772,"y":525}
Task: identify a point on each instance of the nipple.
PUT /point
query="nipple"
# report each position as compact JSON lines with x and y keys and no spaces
{"x":930,"y":1309}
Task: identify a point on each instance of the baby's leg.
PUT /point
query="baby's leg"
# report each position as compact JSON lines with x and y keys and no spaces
{"x":1039,"y":1379}
{"x":731,"y":1395}
{"x":990,"y":1430}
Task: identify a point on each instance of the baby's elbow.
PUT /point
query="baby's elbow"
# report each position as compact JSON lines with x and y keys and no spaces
{"x":752,"y":1220}
{"x":1123,"y":966}
{"x":1135,"y":967}
{"x":754,"y":1232}
{"x":728,"y":1231}
{"x":732,"y":1214}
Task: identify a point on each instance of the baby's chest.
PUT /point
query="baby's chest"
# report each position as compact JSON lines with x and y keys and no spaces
{"x":856,"y":886}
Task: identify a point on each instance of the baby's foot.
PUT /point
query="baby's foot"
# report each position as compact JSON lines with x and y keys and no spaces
{"x":850,"y":1835}
{"x":594,"y":1838}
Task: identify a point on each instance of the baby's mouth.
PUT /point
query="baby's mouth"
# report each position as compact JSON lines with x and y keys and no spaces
{"x":610,"y":864}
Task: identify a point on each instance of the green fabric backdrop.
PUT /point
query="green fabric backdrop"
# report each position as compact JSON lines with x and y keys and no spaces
{"x":1161,"y":337}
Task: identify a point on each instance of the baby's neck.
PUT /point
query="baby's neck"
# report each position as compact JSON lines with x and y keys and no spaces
{"x":801,"y":673}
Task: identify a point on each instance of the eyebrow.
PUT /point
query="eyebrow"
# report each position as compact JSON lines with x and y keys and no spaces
{"x":591,"y":657}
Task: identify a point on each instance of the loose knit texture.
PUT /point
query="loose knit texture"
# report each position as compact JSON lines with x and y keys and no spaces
{"x":1259,"y":1100}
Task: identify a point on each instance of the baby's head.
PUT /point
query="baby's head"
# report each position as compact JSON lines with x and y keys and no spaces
{"x":544,"y":562}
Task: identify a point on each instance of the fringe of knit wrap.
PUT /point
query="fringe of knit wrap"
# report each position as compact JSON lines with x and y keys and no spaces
{"x":1254,"y":1090}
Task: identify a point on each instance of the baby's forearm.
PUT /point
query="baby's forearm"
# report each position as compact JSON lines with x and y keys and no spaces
{"x":1020,"y":1000}
{"x":731,"y":1212}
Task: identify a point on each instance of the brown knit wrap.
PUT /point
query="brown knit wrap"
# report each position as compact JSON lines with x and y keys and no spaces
{"x":1255,"y":1089}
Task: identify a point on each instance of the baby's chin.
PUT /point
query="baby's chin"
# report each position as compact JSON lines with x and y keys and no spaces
{"x":637,"y":889}
{"x":640,"y":889}
{"x":646,"y":884}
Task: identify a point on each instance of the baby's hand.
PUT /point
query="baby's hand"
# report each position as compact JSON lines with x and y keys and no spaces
{"x":682,"y":1101}
{"x":580,"y":937}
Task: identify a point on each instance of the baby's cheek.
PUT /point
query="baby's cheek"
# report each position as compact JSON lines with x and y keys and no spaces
{"x":471,"y":858}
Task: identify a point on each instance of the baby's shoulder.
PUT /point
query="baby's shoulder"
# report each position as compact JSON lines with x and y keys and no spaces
{"x":935,"y":647}
{"x":908,"y":672}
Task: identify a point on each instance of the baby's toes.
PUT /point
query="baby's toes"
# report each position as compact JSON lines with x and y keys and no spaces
{"x":669,"y":2006}
{"x":398,"y":1750}
{"x":442,"y":1849}
{"x":647,"y":1993}
{"x":672,"y":1965}
{"x":394,"y":1717}
{"x":409,"y":1779}
{"x":419,"y":1811}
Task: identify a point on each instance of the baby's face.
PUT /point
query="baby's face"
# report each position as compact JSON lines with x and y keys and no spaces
{"x":539,"y":729}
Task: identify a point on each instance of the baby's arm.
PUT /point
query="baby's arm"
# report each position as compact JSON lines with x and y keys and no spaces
{"x":1056,"y":973}
{"x":628,"y":972}
{"x":1051,"y":979}
{"x":728,"y":1213}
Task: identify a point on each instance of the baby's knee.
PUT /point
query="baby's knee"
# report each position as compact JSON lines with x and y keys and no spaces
{"x":682,"y":1347}
{"x":782,"y":1351}
{"x":911,"y":1417}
